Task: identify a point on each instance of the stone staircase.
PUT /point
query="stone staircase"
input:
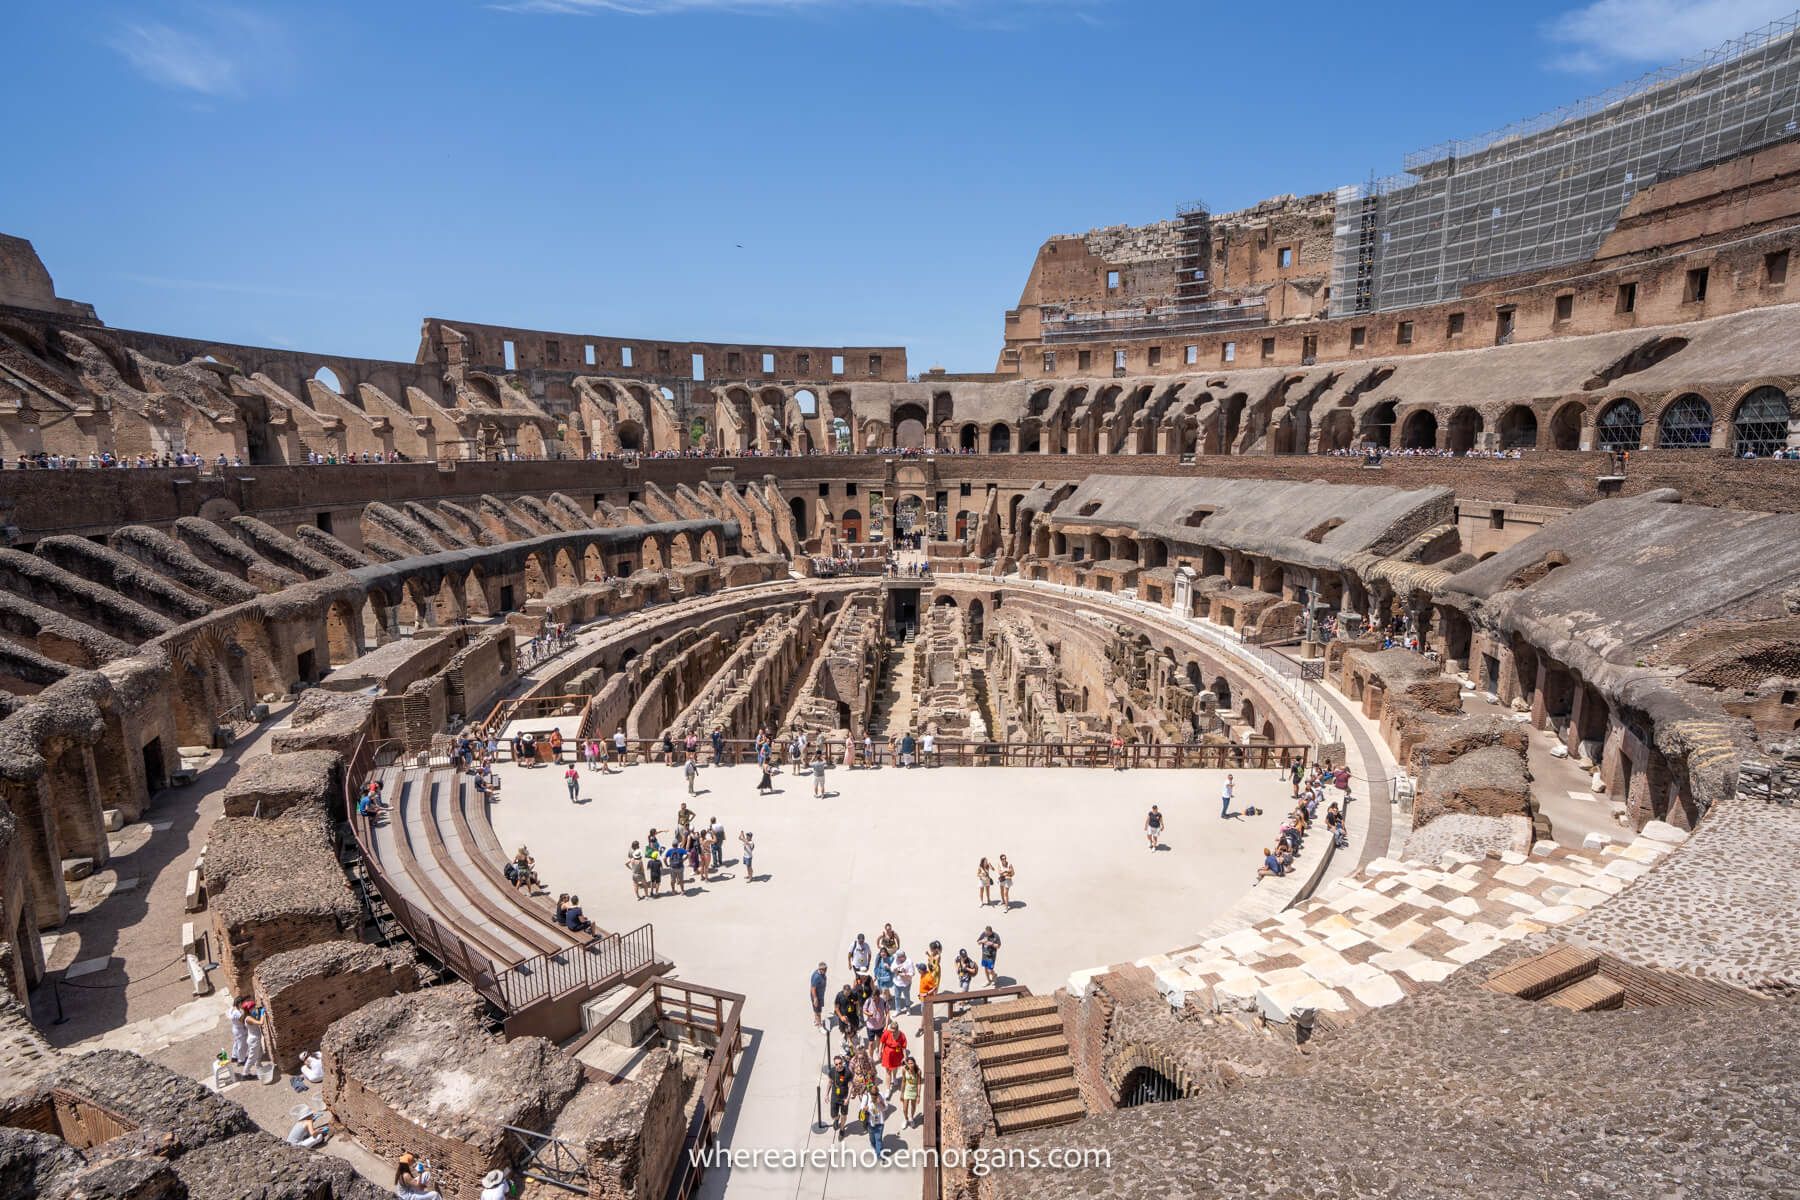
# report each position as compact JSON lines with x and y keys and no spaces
{"x":894,"y":703}
{"x":1025,"y":1064}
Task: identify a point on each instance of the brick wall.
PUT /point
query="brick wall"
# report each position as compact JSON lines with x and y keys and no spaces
{"x":305,"y":990}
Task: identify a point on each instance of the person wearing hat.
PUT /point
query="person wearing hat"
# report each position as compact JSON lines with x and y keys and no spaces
{"x":497,"y":1184}
{"x":411,"y":1182}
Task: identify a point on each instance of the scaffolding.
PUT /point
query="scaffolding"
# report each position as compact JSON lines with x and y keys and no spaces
{"x":1546,"y":191}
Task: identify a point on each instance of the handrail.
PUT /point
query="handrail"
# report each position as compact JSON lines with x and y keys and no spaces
{"x":726,"y":1013}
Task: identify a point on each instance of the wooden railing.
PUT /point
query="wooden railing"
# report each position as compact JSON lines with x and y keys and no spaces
{"x":1199,"y":755}
{"x":718,"y":1015}
{"x":605,"y":961}
{"x":933,"y":1182}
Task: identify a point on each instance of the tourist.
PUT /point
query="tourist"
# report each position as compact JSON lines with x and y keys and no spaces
{"x":1297,"y":771}
{"x":984,"y":875}
{"x":307,"y":1133}
{"x":619,"y":745}
{"x":718,"y":747}
{"x":524,"y":871}
{"x":1272,"y":865}
{"x":904,"y":971}
{"x":573,"y":920}
{"x":868,"y":751}
{"x":911,"y":1082}
{"x":893,"y":1055}
{"x":874,"y":1112}
{"x":634,"y":863}
{"x":887,"y":942}
{"x":907,"y":744}
{"x":845,"y":1008}
{"x":572,"y":778}
{"x":838,"y":1086}
{"x":815,"y":992}
{"x":1118,"y":752}
{"x":764,"y":785}
{"x":989,"y":941}
{"x":859,"y":956}
{"x":1006,"y":882}
{"x":692,"y":770}
{"x":596,"y":760}
{"x":1225,"y":797}
{"x":875,"y":1017}
{"x":884,"y":972}
{"x":562,"y":906}
{"x":497,"y":1184}
{"x":747,"y":840}
{"x":412,"y":1181}
{"x":668,"y":749}
{"x":930,"y":976}
{"x":1153,"y":826}
{"x":928,"y":748}
{"x":965,"y":969}
{"x":818,"y":773}
{"x":676,"y":861}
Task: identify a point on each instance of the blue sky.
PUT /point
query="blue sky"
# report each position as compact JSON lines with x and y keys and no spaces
{"x":323,"y":175}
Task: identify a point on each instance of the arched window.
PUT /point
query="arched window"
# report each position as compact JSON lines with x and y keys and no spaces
{"x":806,"y":402}
{"x":1760,"y":425}
{"x":1686,"y":425}
{"x":999,"y":440}
{"x":967,"y":438}
{"x":1620,"y":427}
{"x":1147,"y":1085}
{"x":1518,"y":428}
{"x":329,"y":378}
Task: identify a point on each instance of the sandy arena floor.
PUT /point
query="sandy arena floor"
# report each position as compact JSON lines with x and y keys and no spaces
{"x":899,"y":846}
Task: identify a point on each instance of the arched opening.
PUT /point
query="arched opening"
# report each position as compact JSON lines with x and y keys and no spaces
{"x":852,"y":524}
{"x":1000,"y":440}
{"x":1465,"y":427}
{"x":329,"y":378}
{"x":593,"y":563}
{"x":1012,"y":513}
{"x":1147,"y":1085}
{"x":1760,"y":424}
{"x":806,"y":402}
{"x":1029,"y":437}
{"x":709,"y":546}
{"x":343,"y":633}
{"x":962,"y":525}
{"x":1620,"y":427}
{"x":1221,"y":690}
{"x":909,"y":427}
{"x":1565,"y":427}
{"x":537,"y":581}
{"x":908,"y":515}
{"x":1686,"y":424}
{"x":1518,"y":428}
{"x":797,"y":507}
{"x":1335,"y":430}
{"x":475,"y":601}
{"x":566,"y":574}
{"x":631,"y":435}
{"x":977,"y":620}
{"x":967,"y":437}
{"x":1420,"y":431}
{"x":1378,"y":425}
{"x":840,"y":435}
{"x":650,"y":553}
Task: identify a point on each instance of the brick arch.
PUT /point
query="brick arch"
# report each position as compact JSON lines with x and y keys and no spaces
{"x":1118,"y":1066}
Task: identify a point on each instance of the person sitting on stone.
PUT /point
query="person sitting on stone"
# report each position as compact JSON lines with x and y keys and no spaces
{"x":524,"y":871}
{"x":1272,"y":865}
{"x":411,"y":1182}
{"x":308,"y":1133}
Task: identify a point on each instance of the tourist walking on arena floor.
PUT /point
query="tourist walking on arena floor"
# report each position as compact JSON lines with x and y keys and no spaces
{"x":765,"y":785}
{"x":1225,"y":797}
{"x":990,"y":952}
{"x":815,"y":992}
{"x":846,"y":1010}
{"x":747,"y":840}
{"x":984,"y":875}
{"x":859,"y":956}
{"x":619,"y":745}
{"x":818,"y":773}
{"x":692,"y":771}
{"x":911,"y":1080}
{"x":965,"y":969}
{"x":904,"y":971}
{"x":893,"y":1055}
{"x":572,"y":778}
{"x":634,"y":863}
{"x":838,"y":1084}
{"x":1006,"y":880}
{"x":1153,"y":826}
{"x":718,"y":745}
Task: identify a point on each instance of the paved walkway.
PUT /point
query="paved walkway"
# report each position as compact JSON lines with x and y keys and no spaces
{"x":899,"y":846}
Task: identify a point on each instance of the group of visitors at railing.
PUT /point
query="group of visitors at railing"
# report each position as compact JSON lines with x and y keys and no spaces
{"x":1379,"y":452}
{"x":548,"y":643}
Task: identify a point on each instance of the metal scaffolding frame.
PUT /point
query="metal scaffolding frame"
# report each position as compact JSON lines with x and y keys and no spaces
{"x":1546,"y":191}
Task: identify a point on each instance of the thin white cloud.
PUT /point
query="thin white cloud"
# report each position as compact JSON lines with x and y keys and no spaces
{"x":216,"y":51}
{"x":1607,"y":34}
{"x":223,"y":285}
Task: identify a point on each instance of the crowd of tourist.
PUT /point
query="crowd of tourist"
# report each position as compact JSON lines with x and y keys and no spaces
{"x":107,"y":460}
{"x":874,"y":1064}
{"x":1377,"y":452}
